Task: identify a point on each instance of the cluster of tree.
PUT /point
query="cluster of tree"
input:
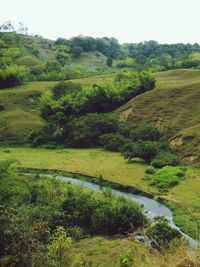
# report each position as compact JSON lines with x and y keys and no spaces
{"x":138,"y":56}
{"x":107,"y":46}
{"x":70,"y":110}
{"x":163,"y":56}
{"x":97,"y":98}
{"x":10,"y":74}
{"x":142,"y":56}
{"x":37,"y":218}
{"x":7,"y":26}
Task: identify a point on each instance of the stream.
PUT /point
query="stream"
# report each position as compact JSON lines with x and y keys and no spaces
{"x":152,"y":207}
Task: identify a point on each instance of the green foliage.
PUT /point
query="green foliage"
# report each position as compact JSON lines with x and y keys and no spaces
{"x":59,"y":250}
{"x":167,"y":177}
{"x":12,"y":76}
{"x":77,"y":51}
{"x":109,"y":62}
{"x":5,"y":167}
{"x":161,"y":234}
{"x":165,"y":158}
{"x":127,"y":260}
{"x":64,"y":88}
{"x":113,"y":141}
{"x":100,"y":213}
{"x":141,"y":149}
{"x":146,"y":132}
{"x":125,"y":63}
{"x":150,"y":170}
{"x":87,"y":130}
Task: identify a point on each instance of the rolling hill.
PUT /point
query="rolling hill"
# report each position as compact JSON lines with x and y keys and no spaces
{"x":173,"y":106}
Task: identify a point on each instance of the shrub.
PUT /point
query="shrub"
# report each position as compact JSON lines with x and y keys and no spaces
{"x":2,"y":107}
{"x":167,"y":177}
{"x":85,"y":131}
{"x":165,"y":158}
{"x":150,"y":170}
{"x":101,"y":213}
{"x":141,"y":149}
{"x":161,"y":234}
{"x":113,"y":141}
{"x":12,"y":76}
{"x":146,"y":132}
{"x":63,"y":88}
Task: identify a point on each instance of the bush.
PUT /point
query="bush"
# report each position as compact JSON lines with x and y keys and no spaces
{"x":167,"y":177}
{"x":141,"y":149}
{"x":150,"y":170}
{"x":12,"y":76}
{"x":165,"y":158}
{"x":77,"y":51}
{"x":101,"y":213}
{"x":146,"y":132}
{"x":161,"y":234}
{"x":113,"y":141}
{"x":85,"y":131}
{"x":63,"y":88}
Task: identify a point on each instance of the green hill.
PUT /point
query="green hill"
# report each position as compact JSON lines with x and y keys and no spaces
{"x":173,"y":106}
{"x":20,"y":109}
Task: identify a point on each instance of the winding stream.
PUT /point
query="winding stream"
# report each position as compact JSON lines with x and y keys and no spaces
{"x":152,"y":207}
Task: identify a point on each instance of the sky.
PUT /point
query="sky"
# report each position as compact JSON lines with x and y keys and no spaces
{"x":166,"y":21}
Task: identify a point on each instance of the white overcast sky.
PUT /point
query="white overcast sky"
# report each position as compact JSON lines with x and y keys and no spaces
{"x":166,"y":21}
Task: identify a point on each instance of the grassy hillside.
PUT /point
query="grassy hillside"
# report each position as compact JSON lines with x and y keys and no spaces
{"x":20,"y":113}
{"x":35,"y":51}
{"x":173,"y":106}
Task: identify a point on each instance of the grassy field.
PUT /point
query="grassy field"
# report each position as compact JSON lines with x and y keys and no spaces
{"x":183,"y":198}
{"x":172,"y":106}
{"x":106,"y":252}
{"x":93,"y":162}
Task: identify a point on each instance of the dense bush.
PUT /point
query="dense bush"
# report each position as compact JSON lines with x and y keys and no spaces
{"x":63,"y":88}
{"x":167,"y":177}
{"x":165,"y":158}
{"x":161,"y":234}
{"x":99,"y":98}
{"x":150,"y":170}
{"x":101,"y":214}
{"x":12,"y":75}
{"x":146,"y":132}
{"x":86,"y":131}
{"x":31,"y":209}
{"x":113,"y":141}
{"x":141,"y":149}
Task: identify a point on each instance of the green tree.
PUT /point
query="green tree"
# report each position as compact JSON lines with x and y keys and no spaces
{"x":109,"y":61}
{"x":77,"y":51}
{"x":59,"y":250}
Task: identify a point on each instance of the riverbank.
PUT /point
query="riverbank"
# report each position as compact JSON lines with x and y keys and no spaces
{"x":183,"y":199}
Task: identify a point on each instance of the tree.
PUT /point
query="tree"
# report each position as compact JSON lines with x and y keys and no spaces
{"x":59,"y":250}
{"x":141,"y":149}
{"x":77,"y":51}
{"x":7,"y":27}
{"x":109,"y":61}
{"x":23,"y":29}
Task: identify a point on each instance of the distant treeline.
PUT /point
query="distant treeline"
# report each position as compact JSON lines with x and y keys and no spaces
{"x":31,"y":58}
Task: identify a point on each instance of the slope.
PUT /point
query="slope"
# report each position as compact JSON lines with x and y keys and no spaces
{"x":173,"y":106}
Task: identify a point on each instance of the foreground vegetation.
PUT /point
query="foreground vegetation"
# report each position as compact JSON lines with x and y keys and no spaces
{"x":42,"y":220}
{"x":112,"y":167}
